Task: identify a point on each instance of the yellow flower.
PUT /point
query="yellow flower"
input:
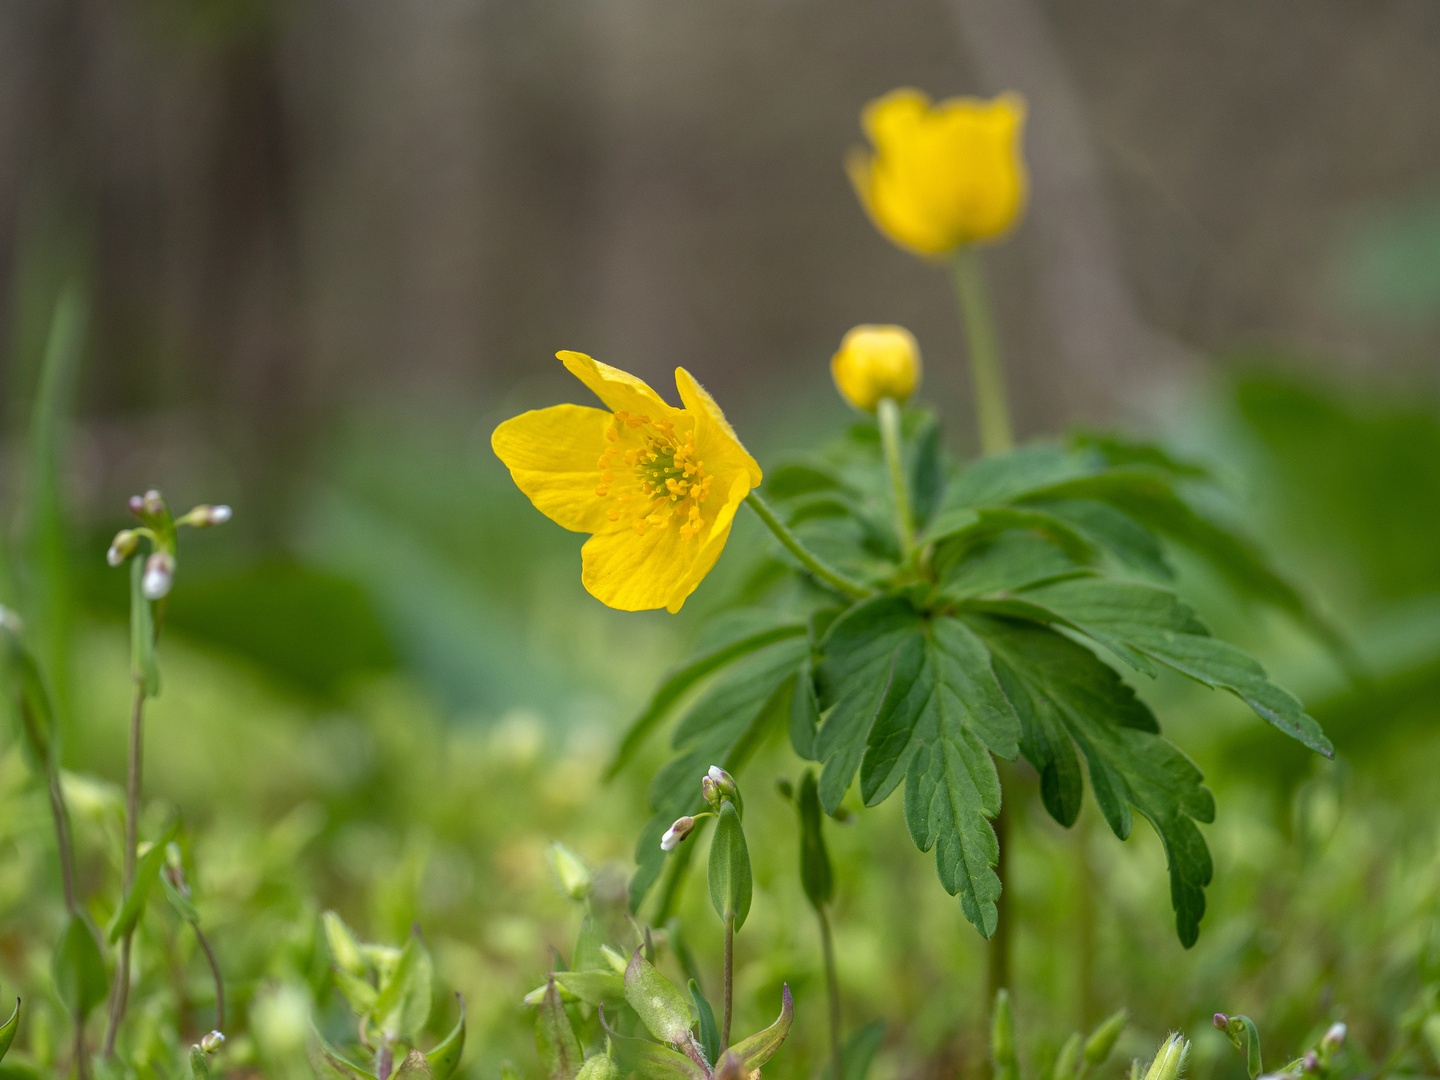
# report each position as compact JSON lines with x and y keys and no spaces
{"x":876,"y":362}
{"x":941,"y":175}
{"x":657,"y":486}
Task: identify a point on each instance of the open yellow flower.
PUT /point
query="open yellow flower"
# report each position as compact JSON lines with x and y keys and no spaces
{"x":942,"y":175}
{"x":657,"y":486}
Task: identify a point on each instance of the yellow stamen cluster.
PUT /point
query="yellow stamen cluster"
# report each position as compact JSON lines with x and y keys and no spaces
{"x":665,"y":475}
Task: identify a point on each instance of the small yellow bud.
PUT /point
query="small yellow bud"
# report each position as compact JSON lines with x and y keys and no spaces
{"x":876,"y":362}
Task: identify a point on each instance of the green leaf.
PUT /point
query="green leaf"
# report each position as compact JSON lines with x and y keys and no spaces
{"x":1002,"y":1038}
{"x":444,"y":1057}
{"x":199,"y":1064}
{"x":709,"y":1030}
{"x":658,"y":1002}
{"x":1246,"y":1038}
{"x":146,"y":871}
{"x":1064,"y":692}
{"x":79,"y":969}
{"x":650,"y":1061}
{"x":917,"y":699}
{"x":343,"y":948}
{"x":37,"y":709}
{"x":724,"y":727}
{"x":816,"y":875}
{"x":555,"y":1039}
{"x":1102,"y":1040}
{"x":1012,"y":560}
{"x":403,"y":1004}
{"x":760,"y":1047}
{"x":589,"y":954}
{"x":11,"y":1026}
{"x":360,"y":995}
{"x":804,"y":712}
{"x":592,"y":987}
{"x":730,"y":881}
{"x":1137,"y":621}
{"x":686,"y":676}
{"x":414,"y":1067}
{"x":789,"y":480}
{"x":326,"y":1062}
{"x":1105,"y":528}
{"x":859,"y":1052}
{"x":926,"y":470}
{"x":1000,"y":478}
{"x":1119,"y":451}
{"x":183,"y":905}
{"x":143,"y":666}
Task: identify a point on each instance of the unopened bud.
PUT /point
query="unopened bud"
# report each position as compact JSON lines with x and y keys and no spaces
{"x":711,"y":792}
{"x":876,"y":362}
{"x":1002,"y":1034}
{"x":136,"y":505}
{"x":1311,"y":1061}
{"x":204,"y":516}
{"x":1334,"y":1038}
{"x":682,"y":828}
{"x":574,"y":875}
{"x":212,"y":1042}
{"x":152,"y":503}
{"x":1221,"y":1021}
{"x":122,"y":547}
{"x":1169,"y":1059}
{"x":10,"y":621}
{"x":1102,"y":1039}
{"x":159,"y":575}
{"x":722,"y":779}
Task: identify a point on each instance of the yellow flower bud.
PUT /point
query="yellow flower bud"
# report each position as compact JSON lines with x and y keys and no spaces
{"x":876,"y":362}
{"x":941,"y":175}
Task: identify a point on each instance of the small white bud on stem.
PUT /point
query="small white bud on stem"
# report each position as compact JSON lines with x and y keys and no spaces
{"x":122,"y":547}
{"x":159,"y":575}
{"x":682,"y":828}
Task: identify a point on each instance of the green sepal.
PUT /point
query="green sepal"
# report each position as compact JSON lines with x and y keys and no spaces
{"x":598,"y":1067}
{"x":8,"y":1030}
{"x":555,"y":1040}
{"x":656,"y":1000}
{"x":403,"y":1003}
{"x":148,"y":869}
{"x":1102,"y":1039}
{"x":760,"y":1047}
{"x":444,"y":1057}
{"x":326,"y":1062}
{"x":343,"y":947}
{"x":79,"y":969}
{"x":730,"y":878}
{"x":592,"y":987}
{"x":360,"y":994}
{"x":1069,"y":1062}
{"x":709,"y":1030}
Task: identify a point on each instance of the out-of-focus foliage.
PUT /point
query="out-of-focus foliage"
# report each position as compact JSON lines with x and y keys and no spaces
{"x":430,"y":699}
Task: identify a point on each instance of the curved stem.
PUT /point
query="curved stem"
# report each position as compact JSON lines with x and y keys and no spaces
{"x":809,"y":561}
{"x":889,"y":417}
{"x":832,"y":991}
{"x":215,"y":971}
{"x":991,"y":407}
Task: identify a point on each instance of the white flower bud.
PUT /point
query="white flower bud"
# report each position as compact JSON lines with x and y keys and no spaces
{"x":10,"y":621}
{"x":710,"y":791}
{"x":723,"y":780}
{"x":159,"y":575}
{"x":682,"y":828}
{"x":212,"y":1042}
{"x":204,"y":516}
{"x":122,"y":547}
{"x":1334,"y":1037}
{"x":152,"y":502}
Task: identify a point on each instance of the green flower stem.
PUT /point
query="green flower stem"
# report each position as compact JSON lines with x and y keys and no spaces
{"x":729,"y":982}
{"x":832,"y":991}
{"x":984,"y":346}
{"x":889,"y":416}
{"x":120,"y":992}
{"x":809,"y":561}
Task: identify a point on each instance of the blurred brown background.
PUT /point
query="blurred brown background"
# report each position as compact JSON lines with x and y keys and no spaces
{"x":283,"y":209}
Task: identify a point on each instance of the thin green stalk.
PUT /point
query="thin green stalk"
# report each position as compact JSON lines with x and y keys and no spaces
{"x":729,"y":981}
{"x":889,"y":416}
{"x":991,"y":407}
{"x":215,"y":972}
{"x":832,"y":991}
{"x":120,"y":993}
{"x":809,"y":561}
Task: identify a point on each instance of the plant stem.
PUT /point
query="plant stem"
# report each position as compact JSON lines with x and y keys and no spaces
{"x":809,"y":561}
{"x":983,"y":342}
{"x":729,"y":981}
{"x":889,"y":416}
{"x":215,"y":971}
{"x":385,"y":1060}
{"x":121,"y":990}
{"x":832,"y":990}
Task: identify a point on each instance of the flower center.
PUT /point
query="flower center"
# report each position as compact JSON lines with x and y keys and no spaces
{"x":652,"y":474}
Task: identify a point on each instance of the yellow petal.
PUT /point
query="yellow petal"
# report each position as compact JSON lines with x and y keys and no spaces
{"x":637,"y":573}
{"x":718,"y":445}
{"x":617,"y":389}
{"x":553,"y":456}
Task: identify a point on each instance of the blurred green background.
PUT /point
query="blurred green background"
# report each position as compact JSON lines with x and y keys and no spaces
{"x":319,"y":250}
